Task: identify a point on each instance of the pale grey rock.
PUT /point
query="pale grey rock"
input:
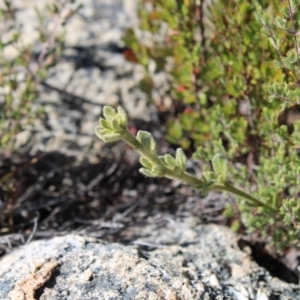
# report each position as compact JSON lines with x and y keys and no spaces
{"x":170,"y":260}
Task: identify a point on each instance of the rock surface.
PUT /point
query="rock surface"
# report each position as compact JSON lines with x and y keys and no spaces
{"x":92,"y":72}
{"x":175,"y":260}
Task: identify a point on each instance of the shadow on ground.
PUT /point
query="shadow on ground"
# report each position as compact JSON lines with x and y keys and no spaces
{"x":50,"y":194}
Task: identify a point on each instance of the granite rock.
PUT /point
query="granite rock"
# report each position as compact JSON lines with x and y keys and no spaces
{"x":170,"y":260}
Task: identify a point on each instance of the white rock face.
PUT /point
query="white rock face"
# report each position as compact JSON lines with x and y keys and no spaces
{"x":175,"y":260}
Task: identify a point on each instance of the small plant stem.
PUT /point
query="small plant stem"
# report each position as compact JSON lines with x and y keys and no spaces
{"x":229,"y":188}
{"x":188,"y":178}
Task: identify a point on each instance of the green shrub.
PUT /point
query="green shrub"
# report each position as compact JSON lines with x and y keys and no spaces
{"x":237,"y":101}
{"x":21,"y":70}
{"x":215,"y":65}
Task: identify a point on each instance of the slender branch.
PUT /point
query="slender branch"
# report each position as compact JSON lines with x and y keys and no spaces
{"x":286,"y":99}
{"x":272,"y":36}
{"x":190,"y":179}
{"x":230,"y":188}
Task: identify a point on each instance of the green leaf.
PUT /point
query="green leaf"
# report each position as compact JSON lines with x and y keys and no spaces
{"x":146,"y":163}
{"x":123,"y":116}
{"x":170,"y":160}
{"x":146,"y":142}
{"x":109,"y":113}
{"x":104,"y":124}
{"x":103,"y":131}
{"x":145,"y":138}
{"x":142,"y":135}
{"x":109,"y":138}
{"x":220,"y":166}
{"x":180,"y":159}
{"x":174,"y":131}
{"x":116,"y":126}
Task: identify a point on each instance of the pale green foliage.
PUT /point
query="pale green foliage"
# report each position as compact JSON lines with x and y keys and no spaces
{"x":220,"y":166}
{"x":146,"y":139}
{"x":112,"y":127}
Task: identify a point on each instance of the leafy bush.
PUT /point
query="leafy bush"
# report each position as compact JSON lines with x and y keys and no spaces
{"x":21,"y":68}
{"x":218,"y":59}
{"x":215,"y":66}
